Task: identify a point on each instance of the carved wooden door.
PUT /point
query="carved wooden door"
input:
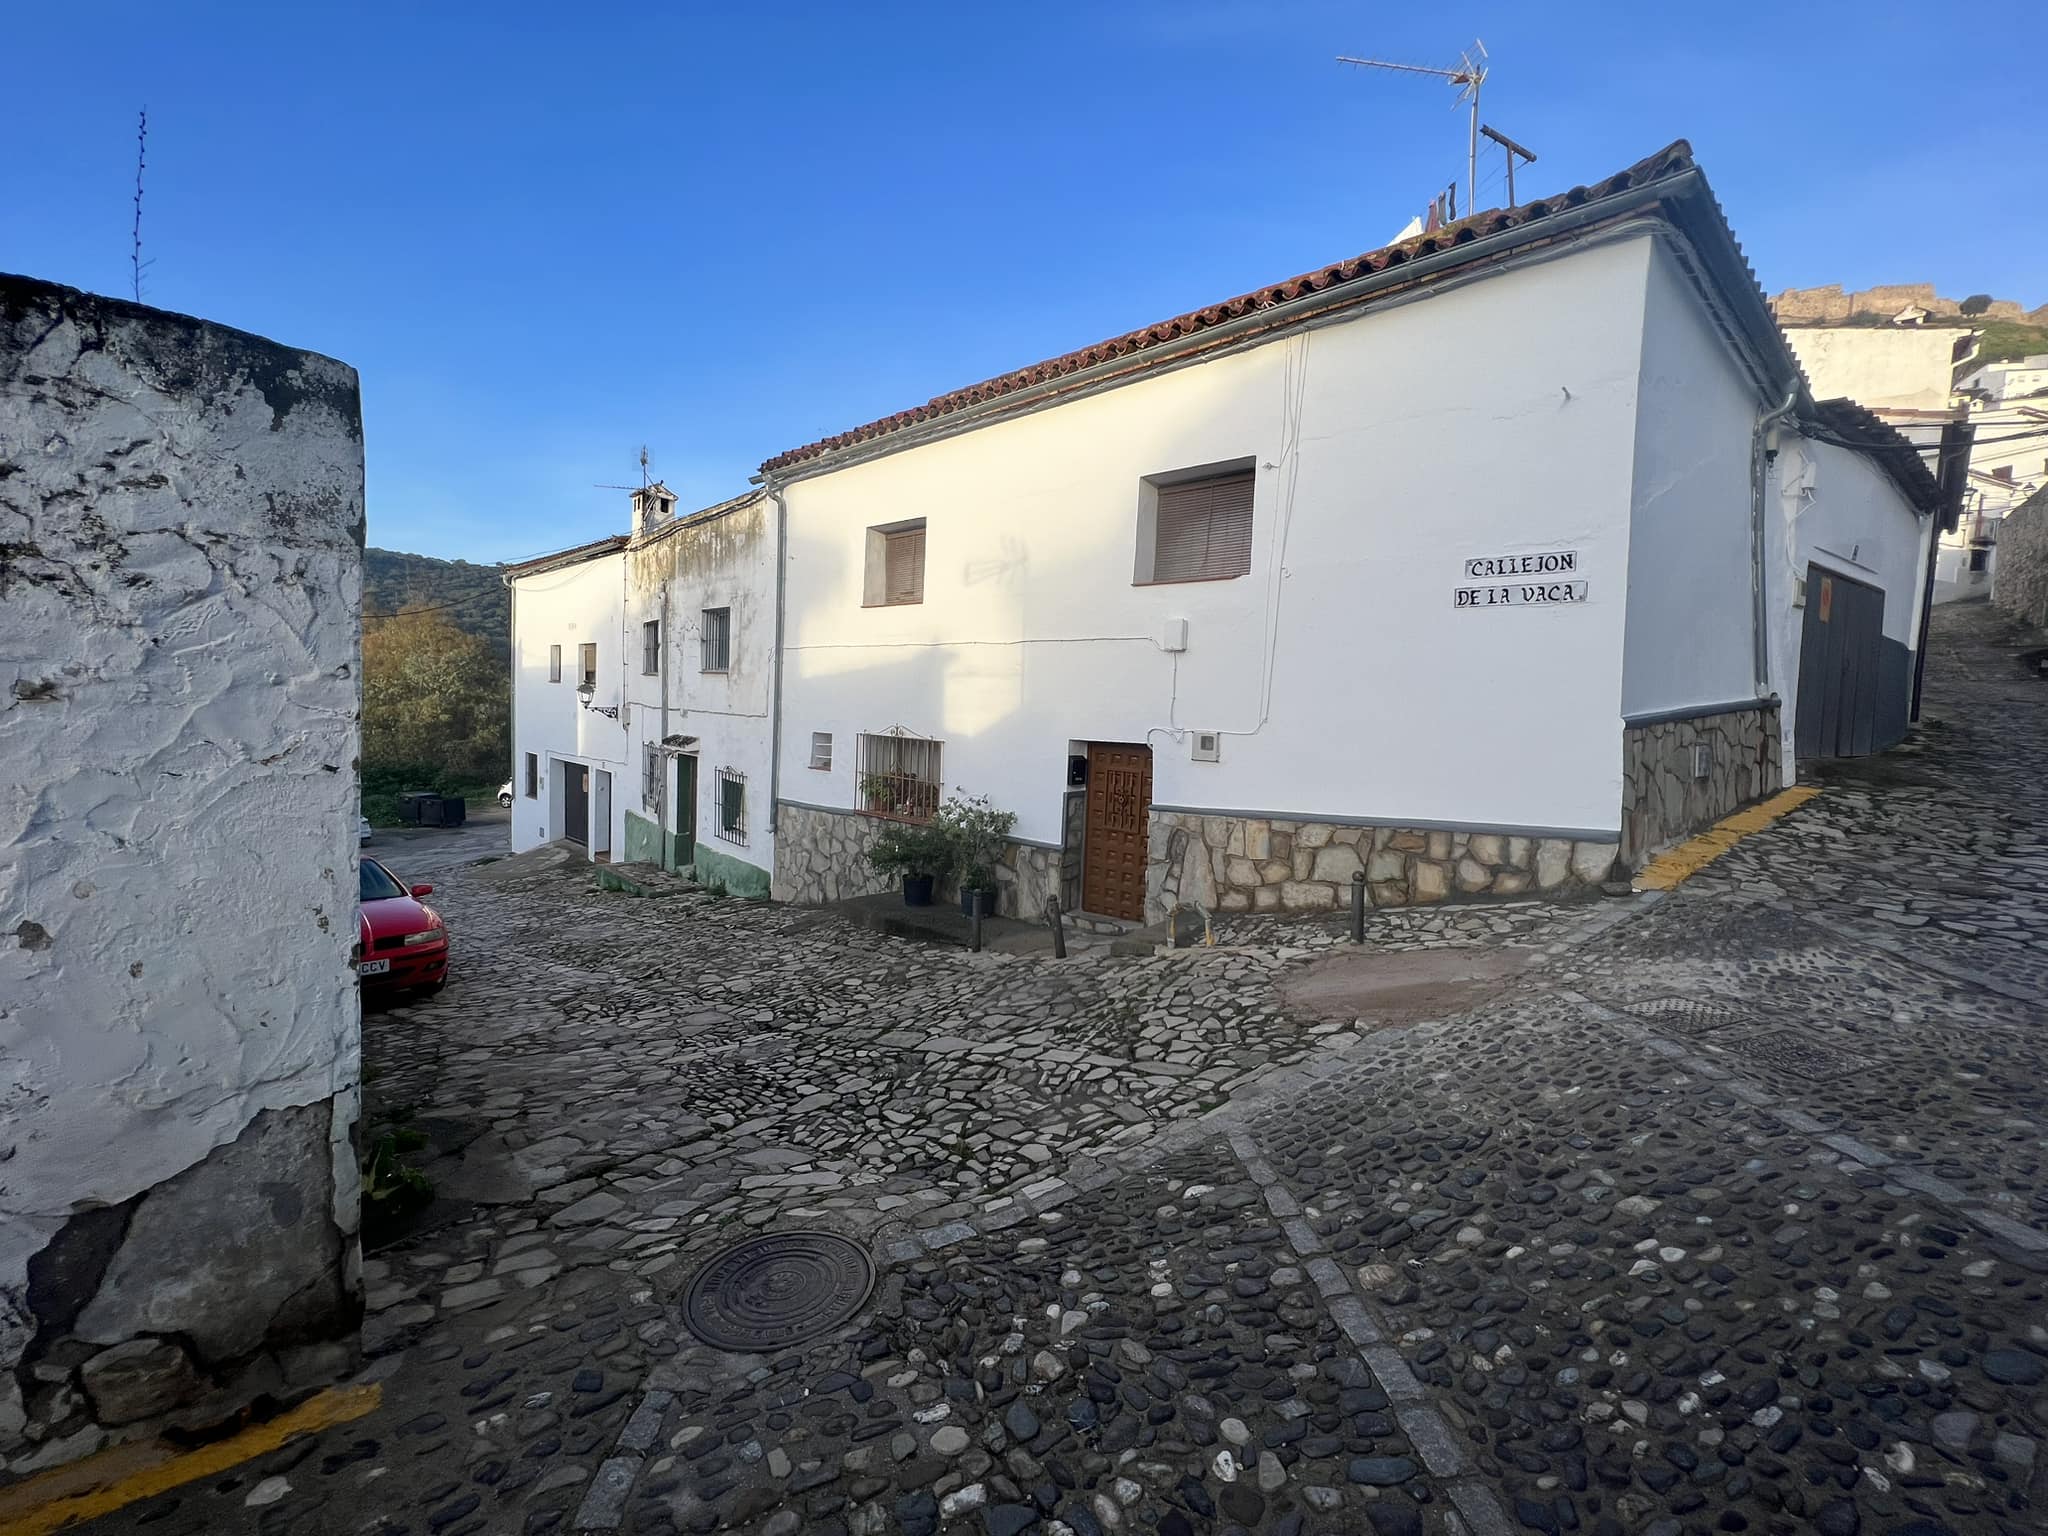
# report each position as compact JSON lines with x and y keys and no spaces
{"x":1118,"y":830}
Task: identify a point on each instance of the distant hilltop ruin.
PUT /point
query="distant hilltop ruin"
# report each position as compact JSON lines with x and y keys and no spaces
{"x":1820,"y":306}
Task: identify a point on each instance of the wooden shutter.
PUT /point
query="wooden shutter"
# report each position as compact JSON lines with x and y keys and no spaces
{"x":1204,"y":530}
{"x":905,"y":574}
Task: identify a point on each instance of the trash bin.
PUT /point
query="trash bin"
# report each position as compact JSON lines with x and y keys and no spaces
{"x":454,"y":810}
{"x":420,"y":808}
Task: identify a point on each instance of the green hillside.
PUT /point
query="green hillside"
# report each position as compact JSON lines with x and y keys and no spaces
{"x":472,"y":596}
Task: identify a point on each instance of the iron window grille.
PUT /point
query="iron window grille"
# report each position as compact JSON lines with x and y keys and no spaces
{"x":554,"y":663}
{"x":821,"y":749}
{"x":732,"y":806}
{"x":650,"y":647}
{"x":900,"y":774}
{"x":650,"y":778}
{"x":717,"y":639}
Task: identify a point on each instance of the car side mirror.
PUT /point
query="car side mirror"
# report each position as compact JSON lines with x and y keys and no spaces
{"x":423,"y":890}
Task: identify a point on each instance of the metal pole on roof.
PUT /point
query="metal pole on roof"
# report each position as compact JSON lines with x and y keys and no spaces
{"x":1513,"y":149}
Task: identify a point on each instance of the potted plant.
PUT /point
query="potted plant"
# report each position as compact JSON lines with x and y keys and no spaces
{"x":879,"y":793}
{"x":920,"y":856}
{"x":976,"y":832}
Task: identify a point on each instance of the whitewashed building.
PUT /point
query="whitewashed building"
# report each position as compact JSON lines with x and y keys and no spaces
{"x":643,"y":677}
{"x":1479,"y":565}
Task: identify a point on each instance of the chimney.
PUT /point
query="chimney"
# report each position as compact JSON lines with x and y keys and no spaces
{"x":653,"y":505}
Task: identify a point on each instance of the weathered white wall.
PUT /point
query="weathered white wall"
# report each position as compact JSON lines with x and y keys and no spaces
{"x":1493,"y":418}
{"x":726,"y":560}
{"x":567,"y":607}
{"x":1834,"y":507}
{"x":1906,"y":366}
{"x":1691,"y":626}
{"x":179,"y":628}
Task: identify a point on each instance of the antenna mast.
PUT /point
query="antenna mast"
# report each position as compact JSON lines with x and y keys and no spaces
{"x":1468,"y":77}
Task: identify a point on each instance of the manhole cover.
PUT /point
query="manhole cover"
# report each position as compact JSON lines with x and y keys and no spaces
{"x":1691,"y":1013}
{"x":770,"y":1292}
{"x":1799,"y":1056}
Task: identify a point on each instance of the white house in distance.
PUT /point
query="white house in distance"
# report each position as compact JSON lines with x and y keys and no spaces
{"x":1480,"y":565}
{"x":643,"y":685}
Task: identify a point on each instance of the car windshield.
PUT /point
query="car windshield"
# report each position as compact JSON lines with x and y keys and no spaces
{"x":376,"y":884}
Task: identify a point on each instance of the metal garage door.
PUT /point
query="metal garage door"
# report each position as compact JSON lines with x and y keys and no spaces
{"x":1840,"y":667}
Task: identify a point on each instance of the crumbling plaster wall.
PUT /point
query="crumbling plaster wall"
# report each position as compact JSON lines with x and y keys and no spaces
{"x":181,"y":513}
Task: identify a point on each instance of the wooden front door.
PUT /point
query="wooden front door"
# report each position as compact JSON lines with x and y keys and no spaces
{"x":1118,"y":829}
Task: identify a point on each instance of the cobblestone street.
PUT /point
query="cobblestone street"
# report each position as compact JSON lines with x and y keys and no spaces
{"x":1718,"y":1211}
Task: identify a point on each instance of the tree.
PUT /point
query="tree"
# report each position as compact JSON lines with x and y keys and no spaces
{"x":1976,"y":304}
{"x":434,"y":698}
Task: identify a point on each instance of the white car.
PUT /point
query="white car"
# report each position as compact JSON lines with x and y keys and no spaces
{"x":505,"y":794}
{"x":362,"y":830}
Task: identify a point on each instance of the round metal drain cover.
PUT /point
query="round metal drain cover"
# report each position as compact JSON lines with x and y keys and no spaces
{"x":770,"y":1292}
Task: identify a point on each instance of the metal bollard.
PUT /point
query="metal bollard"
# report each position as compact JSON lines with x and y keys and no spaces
{"x":1059,"y":934}
{"x":979,"y":898}
{"x":1358,"y":907}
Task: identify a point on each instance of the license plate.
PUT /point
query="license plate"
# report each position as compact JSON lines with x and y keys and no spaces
{"x":372,"y":967}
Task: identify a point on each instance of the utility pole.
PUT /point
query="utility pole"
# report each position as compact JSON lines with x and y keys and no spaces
{"x":1468,"y":77}
{"x":1513,"y":149}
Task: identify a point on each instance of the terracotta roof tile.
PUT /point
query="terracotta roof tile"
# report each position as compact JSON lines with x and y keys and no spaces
{"x":1670,"y":161}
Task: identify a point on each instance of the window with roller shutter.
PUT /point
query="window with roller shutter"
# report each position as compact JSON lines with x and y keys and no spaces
{"x":894,"y":573}
{"x":1203,"y":529}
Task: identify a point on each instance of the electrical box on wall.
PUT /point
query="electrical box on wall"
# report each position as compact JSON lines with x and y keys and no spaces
{"x":1798,"y":591}
{"x":1175,"y":636}
{"x":1077,"y":771}
{"x":1206,"y":747}
{"x":1702,"y":760}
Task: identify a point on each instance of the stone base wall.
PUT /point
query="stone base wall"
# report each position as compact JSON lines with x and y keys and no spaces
{"x":1245,"y":864}
{"x":180,"y":1307}
{"x":2019,"y":585}
{"x":1662,"y":803}
{"x":822,"y":856}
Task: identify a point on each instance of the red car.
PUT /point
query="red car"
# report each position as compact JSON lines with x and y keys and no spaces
{"x":400,"y":942}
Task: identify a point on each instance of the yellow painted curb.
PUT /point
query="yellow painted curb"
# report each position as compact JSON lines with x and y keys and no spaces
{"x":1677,"y":865}
{"x":101,"y":1484}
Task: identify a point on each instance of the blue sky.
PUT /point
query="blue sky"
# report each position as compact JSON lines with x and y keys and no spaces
{"x":547,"y":235}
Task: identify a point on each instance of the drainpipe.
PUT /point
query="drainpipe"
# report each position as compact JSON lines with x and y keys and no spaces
{"x":1760,"y":453}
{"x":661,"y":667}
{"x":775,"y":492}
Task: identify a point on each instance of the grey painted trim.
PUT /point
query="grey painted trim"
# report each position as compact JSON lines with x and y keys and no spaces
{"x":1407,"y":823}
{"x":1267,"y":324}
{"x":1700,"y":711}
{"x":847,"y":810}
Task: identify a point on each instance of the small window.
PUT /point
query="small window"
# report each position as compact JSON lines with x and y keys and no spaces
{"x":554,"y":663}
{"x":587,"y":660}
{"x":717,"y":639}
{"x":2003,"y":473}
{"x":1980,"y":559}
{"x":533,"y":772}
{"x":900,"y":775}
{"x":650,"y":647}
{"x":732,"y":806}
{"x":650,"y":778}
{"x":895,"y":565}
{"x":821,"y":749}
{"x":1197,"y":528}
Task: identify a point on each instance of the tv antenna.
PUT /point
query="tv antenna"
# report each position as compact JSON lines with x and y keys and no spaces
{"x":1513,"y":149}
{"x":1467,"y":77}
{"x":644,"y":481}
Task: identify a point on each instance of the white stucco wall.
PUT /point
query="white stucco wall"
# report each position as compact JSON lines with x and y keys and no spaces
{"x":179,"y":641}
{"x":1907,"y":366}
{"x":722,"y":561}
{"x":568,"y":607}
{"x":1493,"y":418}
{"x":1691,"y":626}
{"x":1834,"y":507}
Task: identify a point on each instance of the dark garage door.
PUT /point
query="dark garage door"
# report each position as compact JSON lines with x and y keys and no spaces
{"x":1845,"y":677}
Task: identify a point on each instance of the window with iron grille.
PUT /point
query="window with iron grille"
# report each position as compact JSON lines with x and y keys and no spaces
{"x":732,"y":806}
{"x":532,"y":776}
{"x":895,"y":565}
{"x":586,"y":658}
{"x":554,"y":663}
{"x":717,"y":639}
{"x":1196,"y":528}
{"x":821,"y":749}
{"x":650,"y":778}
{"x":650,"y":647}
{"x":900,"y":775}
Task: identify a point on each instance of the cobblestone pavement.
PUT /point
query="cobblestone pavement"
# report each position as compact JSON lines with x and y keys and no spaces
{"x":1715,"y":1212}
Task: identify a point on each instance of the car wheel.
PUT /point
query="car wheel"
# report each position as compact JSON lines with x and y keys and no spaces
{"x":505,"y":801}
